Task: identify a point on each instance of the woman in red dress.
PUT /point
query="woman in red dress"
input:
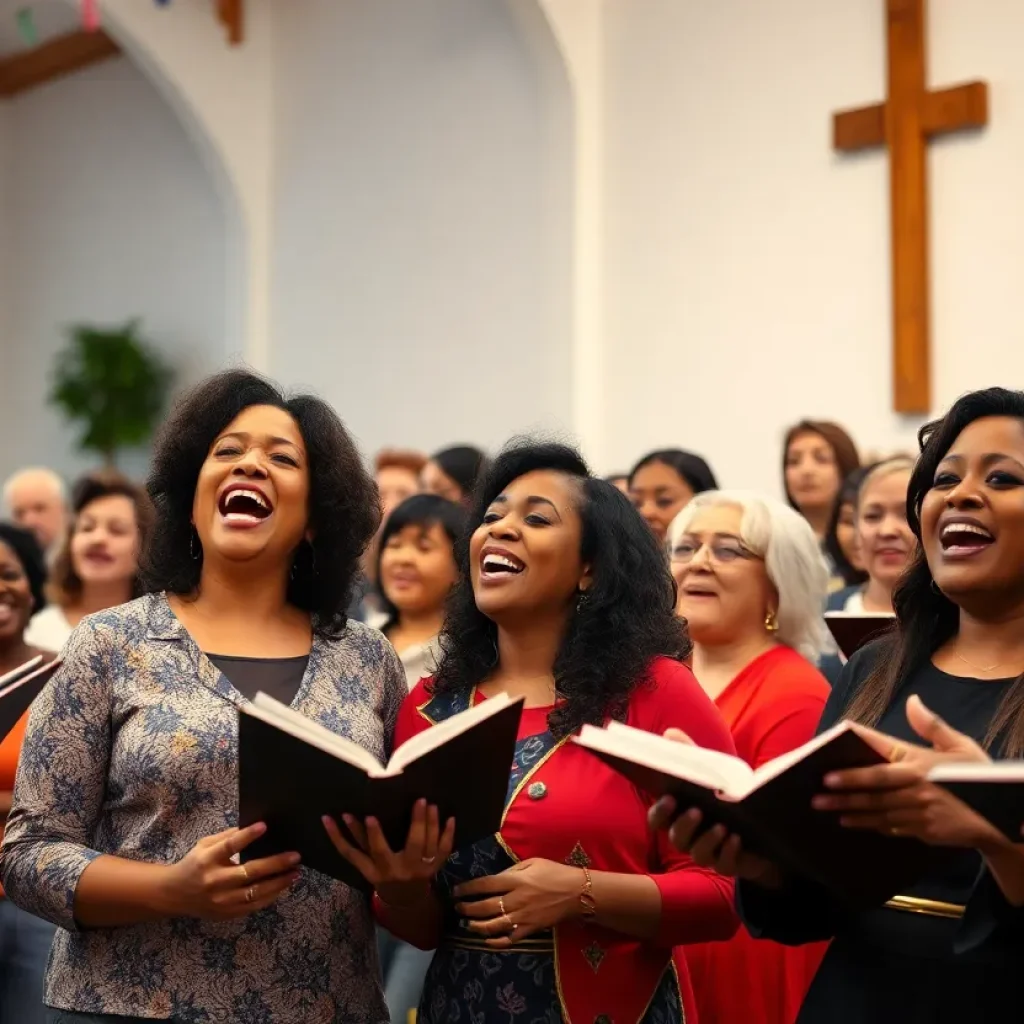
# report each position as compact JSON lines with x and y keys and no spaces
{"x":574,"y":912}
{"x":752,"y":584}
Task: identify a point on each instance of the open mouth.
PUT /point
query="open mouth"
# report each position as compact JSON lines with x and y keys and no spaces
{"x":100,"y":557}
{"x":964,"y":538}
{"x":500,"y":565}
{"x":6,"y":614}
{"x":244,"y":505}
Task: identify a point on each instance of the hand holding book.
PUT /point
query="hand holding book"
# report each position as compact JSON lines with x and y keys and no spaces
{"x":401,"y":878}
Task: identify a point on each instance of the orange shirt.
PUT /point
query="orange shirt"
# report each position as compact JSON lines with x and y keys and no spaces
{"x":10,"y":751}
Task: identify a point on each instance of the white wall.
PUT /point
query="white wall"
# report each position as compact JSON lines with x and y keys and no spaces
{"x":5,"y":282}
{"x":111,"y":215}
{"x":423,"y":223}
{"x":748,"y":267}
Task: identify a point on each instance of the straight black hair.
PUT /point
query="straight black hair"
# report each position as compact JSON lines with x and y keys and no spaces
{"x":691,"y":468}
{"x":422,"y":510}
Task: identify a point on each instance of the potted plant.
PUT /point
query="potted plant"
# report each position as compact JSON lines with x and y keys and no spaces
{"x":113,"y":385}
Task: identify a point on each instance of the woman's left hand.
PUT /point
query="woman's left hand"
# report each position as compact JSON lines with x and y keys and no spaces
{"x":897,"y":799}
{"x":531,"y":897}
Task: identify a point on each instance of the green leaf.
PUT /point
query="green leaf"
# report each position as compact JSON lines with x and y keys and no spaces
{"x":112,"y":385}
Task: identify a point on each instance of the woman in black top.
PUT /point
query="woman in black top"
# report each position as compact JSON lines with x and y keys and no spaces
{"x":951,"y":949}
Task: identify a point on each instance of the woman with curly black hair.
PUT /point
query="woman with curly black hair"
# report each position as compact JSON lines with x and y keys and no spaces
{"x":574,"y":910}
{"x":122,"y":831}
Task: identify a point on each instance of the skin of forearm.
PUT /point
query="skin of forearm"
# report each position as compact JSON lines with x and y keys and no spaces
{"x":417,"y":921}
{"x":630,"y":904}
{"x":113,"y":892}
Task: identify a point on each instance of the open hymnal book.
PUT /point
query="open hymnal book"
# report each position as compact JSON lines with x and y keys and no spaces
{"x":852,"y":630}
{"x":994,"y":789}
{"x":19,"y":688}
{"x":292,"y":771}
{"x":770,"y":808}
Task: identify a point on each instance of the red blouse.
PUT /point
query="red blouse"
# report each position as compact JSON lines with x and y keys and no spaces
{"x":772,"y":706}
{"x":587,"y":814}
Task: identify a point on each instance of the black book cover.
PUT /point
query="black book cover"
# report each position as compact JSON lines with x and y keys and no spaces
{"x":776,"y":820}
{"x":290,"y":784}
{"x":851,"y":632}
{"x":19,"y":691}
{"x":1000,"y":802}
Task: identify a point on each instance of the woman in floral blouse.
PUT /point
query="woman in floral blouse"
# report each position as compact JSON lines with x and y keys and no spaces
{"x":122,"y":827}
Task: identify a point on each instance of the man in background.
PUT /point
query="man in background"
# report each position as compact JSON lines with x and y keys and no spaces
{"x":36,"y":499}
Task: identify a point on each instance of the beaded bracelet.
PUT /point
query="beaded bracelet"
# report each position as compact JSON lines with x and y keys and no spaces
{"x":587,"y":900}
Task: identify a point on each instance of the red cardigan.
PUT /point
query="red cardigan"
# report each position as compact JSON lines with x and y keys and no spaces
{"x":591,"y":815}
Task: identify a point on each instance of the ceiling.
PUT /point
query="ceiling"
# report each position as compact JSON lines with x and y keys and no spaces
{"x":51,"y":18}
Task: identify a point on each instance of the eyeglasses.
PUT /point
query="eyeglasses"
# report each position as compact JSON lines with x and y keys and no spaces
{"x":720,"y":552}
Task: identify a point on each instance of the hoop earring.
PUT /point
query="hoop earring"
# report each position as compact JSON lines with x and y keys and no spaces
{"x":771,"y":623}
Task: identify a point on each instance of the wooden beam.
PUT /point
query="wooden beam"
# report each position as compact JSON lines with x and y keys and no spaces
{"x":232,"y":17}
{"x":956,"y":108}
{"x":853,"y":130}
{"x":55,"y":59}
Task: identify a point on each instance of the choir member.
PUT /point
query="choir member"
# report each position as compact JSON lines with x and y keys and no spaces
{"x":453,"y":473}
{"x":662,"y":482}
{"x":398,"y":476}
{"x":123,"y":826}
{"x":751,"y":586}
{"x":840,"y":543}
{"x":950,"y":949}
{"x":36,"y":500}
{"x":98,"y":564}
{"x":573,"y":910}
{"x":24,"y":939}
{"x":416,"y":571}
{"x":817,"y":457}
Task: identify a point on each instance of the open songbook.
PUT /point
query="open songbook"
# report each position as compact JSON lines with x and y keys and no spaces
{"x":852,"y":630}
{"x":994,"y":789}
{"x":292,"y":771}
{"x":19,"y":688}
{"x":770,"y":808}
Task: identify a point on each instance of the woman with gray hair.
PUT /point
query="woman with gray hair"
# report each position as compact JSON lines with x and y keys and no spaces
{"x":752,"y":585}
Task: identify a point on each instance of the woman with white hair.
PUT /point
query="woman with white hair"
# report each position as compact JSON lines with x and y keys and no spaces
{"x":752,"y":585}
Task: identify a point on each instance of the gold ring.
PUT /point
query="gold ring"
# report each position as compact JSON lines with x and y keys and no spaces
{"x":245,"y":871}
{"x":512,"y":926}
{"x":501,"y":906}
{"x":250,"y":894}
{"x":897,"y":753}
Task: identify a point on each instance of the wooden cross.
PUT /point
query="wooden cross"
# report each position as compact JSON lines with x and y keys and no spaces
{"x":904,"y":123}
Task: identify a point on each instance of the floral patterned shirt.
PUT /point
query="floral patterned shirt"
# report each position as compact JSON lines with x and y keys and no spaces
{"x":131,"y":749}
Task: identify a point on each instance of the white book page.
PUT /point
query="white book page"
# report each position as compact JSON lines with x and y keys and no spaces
{"x":709,"y":768}
{"x":978,"y":771}
{"x":273,"y":712}
{"x":436,"y":736}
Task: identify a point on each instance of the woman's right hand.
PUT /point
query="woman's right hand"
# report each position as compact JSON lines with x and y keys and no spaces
{"x":206,"y":883}
{"x":716,"y":848}
{"x":401,"y":878}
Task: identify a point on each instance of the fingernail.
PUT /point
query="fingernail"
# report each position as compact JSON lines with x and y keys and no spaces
{"x":821,"y":803}
{"x":832,"y":780}
{"x":327,"y":820}
{"x":260,"y":827}
{"x":348,"y":819}
{"x":294,"y":858}
{"x":371,"y":821}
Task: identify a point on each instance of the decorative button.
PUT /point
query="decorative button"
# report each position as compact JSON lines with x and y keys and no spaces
{"x":537,"y":791}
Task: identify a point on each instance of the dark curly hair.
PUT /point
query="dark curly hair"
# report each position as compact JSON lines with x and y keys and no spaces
{"x":33,"y":563}
{"x":926,"y":618}
{"x":344,"y":507}
{"x":626,"y":620}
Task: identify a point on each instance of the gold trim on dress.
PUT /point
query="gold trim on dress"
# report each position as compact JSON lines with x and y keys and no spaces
{"x":930,"y":908}
{"x":423,"y":714}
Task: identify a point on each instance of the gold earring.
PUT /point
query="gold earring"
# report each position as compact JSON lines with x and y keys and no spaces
{"x":771,"y":623}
